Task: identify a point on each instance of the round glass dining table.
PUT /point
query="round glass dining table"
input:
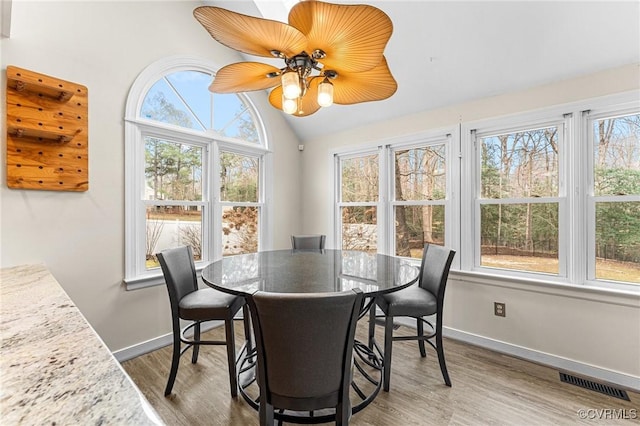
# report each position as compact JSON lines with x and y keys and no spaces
{"x":310,"y":271}
{"x":314,"y":271}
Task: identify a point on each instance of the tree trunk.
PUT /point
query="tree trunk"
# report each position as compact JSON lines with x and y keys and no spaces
{"x":402,"y":232}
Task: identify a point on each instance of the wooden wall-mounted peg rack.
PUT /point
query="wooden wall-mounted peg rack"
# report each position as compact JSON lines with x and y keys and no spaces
{"x":47,"y":132}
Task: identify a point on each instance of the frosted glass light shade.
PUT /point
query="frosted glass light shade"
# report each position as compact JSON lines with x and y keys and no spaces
{"x":290,"y":85}
{"x":325,"y":93}
{"x":289,"y":106}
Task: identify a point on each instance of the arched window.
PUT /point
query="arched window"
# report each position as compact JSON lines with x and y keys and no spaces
{"x":195,"y":169}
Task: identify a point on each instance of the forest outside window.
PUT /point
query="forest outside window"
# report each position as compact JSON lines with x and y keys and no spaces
{"x":558,"y":199}
{"x":394,"y":199}
{"x":420,"y":194}
{"x":551,"y":196}
{"x":358,"y":202}
{"x":239,"y":202}
{"x":614,"y":198}
{"x":519,"y":201}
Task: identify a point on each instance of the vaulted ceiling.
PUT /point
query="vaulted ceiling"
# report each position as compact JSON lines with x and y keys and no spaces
{"x":447,"y":52}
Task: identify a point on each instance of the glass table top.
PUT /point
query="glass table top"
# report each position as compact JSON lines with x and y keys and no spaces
{"x":310,"y":271}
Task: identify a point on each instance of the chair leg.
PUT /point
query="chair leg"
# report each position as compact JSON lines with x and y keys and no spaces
{"x":246,"y":319}
{"x":388,"y":343}
{"x":420,"y":329}
{"x":266,"y":413}
{"x":372,"y":323}
{"x":196,"y":347}
{"x":440,"y":350}
{"x":231,"y":356}
{"x":343,"y":412}
{"x":175,"y":359}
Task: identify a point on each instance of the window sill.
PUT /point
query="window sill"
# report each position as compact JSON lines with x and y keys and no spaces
{"x":143,"y":281}
{"x":587,"y":291}
{"x":151,"y":279}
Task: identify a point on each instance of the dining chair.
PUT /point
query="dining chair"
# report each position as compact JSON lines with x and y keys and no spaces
{"x":198,"y":306}
{"x":304,"y":351}
{"x":308,"y":242}
{"x":425,"y":298}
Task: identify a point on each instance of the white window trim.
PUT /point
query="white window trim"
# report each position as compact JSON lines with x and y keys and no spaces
{"x":423,"y":142}
{"x":575,"y":163}
{"x":339,"y":204}
{"x":136,"y":128}
{"x":523,"y":123}
{"x":574,"y":187}
{"x":385,"y":205}
{"x":589,"y":117}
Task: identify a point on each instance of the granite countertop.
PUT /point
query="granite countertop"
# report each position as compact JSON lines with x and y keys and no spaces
{"x":54,"y":368}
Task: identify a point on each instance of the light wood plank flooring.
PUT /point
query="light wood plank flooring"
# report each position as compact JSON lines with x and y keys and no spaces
{"x":488,"y":389}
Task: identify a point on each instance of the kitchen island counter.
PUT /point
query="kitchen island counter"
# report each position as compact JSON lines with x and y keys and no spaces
{"x":54,"y":368}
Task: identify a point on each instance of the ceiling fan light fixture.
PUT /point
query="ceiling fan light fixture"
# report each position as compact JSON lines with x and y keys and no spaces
{"x":290,"y":85}
{"x":289,"y":106}
{"x":332,"y":53}
{"x":325,"y":93}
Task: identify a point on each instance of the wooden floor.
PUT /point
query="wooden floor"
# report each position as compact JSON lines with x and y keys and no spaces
{"x":488,"y":389}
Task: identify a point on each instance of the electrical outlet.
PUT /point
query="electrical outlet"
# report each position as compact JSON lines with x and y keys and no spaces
{"x":500,"y":309}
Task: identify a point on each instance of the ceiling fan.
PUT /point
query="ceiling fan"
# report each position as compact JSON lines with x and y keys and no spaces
{"x":332,"y":54}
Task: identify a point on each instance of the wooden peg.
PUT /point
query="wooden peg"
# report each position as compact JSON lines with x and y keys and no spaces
{"x":64,"y":96}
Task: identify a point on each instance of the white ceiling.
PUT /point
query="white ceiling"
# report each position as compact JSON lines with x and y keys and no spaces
{"x":443,"y":53}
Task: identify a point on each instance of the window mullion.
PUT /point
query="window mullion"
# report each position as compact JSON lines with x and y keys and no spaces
{"x":385,"y":239}
{"x":216,"y":209}
{"x":207,"y":208}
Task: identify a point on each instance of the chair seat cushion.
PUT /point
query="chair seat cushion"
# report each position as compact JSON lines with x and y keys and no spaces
{"x":412,"y":301}
{"x":208,"y":303}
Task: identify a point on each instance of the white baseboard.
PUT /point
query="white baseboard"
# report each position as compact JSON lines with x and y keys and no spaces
{"x":566,"y":365}
{"x":155,"y":344}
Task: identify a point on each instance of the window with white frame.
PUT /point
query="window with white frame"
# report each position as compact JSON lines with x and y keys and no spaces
{"x":174,"y":208}
{"x":394,"y":199}
{"x":558,"y":199}
{"x":552,"y":195}
{"x":519,"y":201}
{"x":240,"y":204}
{"x":195,"y":169}
{"x":614,"y":196}
{"x":419,"y":199}
{"x":358,"y":198}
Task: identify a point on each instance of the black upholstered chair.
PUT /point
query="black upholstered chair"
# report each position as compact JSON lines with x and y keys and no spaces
{"x":419,"y":300}
{"x":198,"y":306}
{"x":305,"y":348}
{"x":308,"y":242}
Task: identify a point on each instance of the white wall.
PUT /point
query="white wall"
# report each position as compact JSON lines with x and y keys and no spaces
{"x":80,"y":236}
{"x":593,"y":332}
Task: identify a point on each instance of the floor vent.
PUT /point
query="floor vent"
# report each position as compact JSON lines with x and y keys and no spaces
{"x":594,"y":386}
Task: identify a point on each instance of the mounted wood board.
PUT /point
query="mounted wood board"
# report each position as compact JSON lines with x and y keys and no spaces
{"x":47,"y":132}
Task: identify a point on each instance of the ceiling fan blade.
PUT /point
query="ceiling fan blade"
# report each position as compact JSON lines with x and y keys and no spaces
{"x":309,"y":100}
{"x":352,"y":36}
{"x":244,"y":77}
{"x":373,"y":85}
{"x":248,"y":34}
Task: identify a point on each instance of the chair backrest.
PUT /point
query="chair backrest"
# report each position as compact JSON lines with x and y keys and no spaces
{"x":305,"y":347}
{"x":434,"y":270}
{"x":179,"y":273}
{"x":308,"y":242}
